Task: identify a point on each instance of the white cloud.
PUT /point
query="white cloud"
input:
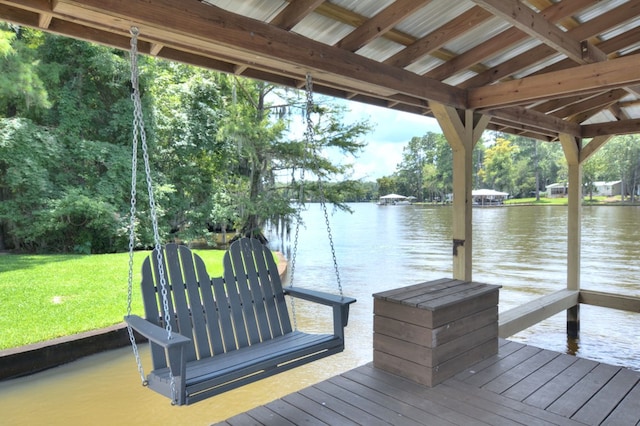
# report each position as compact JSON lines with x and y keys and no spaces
{"x":392,"y":130}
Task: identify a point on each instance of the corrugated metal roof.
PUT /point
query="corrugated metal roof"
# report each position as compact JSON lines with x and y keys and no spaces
{"x":397,"y":53}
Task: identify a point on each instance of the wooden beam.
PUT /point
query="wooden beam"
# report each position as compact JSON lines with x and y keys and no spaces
{"x":623,"y":127}
{"x":589,"y":78}
{"x":462,"y":129}
{"x":295,"y":12}
{"x":592,"y":147}
{"x":535,"y":119}
{"x":500,"y":125}
{"x":572,"y":148}
{"x":155,"y":49}
{"x":44,"y":20}
{"x":599,"y":102}
{"x":522,"y":317}
{"x":380,"y":24}
{"x":218,"y":32}
{"x":609,"y":300}
{"x":530,"y":22}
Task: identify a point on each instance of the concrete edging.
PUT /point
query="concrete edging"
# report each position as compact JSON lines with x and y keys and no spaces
{"x":29,"y":359}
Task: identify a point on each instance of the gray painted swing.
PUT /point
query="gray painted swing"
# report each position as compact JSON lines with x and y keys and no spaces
{"x":208,"y":336}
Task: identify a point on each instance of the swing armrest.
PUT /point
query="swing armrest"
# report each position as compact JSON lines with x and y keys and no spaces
{"x":155,"y":333}
{"x":319,"y":296}
{"x":340,"y":305}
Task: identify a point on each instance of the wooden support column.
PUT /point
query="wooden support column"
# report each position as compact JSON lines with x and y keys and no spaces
{"x":576,"y":155}
{"x":572,"y":147}
{"x":462,"y":129}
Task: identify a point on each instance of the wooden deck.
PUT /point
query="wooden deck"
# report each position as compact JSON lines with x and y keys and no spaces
{"x":521,"y":385}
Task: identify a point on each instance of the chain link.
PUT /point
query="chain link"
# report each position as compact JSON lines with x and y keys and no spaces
{"x":309,"y":138}
{"x":139,"y":134}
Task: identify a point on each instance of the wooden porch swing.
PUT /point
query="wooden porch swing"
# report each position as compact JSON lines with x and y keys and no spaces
{"x":208,"y":336}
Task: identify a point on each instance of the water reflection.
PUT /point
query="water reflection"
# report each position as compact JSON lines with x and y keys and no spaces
{"x":378,"y":248}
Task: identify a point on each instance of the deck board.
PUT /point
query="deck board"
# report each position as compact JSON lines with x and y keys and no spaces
{"x":520,"y":385}
{"x":606,"y":399}
{"x":572,"y":400}
{"x":527,"y":386}
{"x":560,"y":384}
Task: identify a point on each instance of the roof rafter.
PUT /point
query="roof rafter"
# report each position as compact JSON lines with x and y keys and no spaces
{"x":295,"y":12}
{"x":535,"y":25}
{"x":211,"y":29}
{"x":380,"y":24}
{"x":436,"y":39}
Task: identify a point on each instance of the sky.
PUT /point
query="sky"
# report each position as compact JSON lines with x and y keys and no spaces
{"x":392,"y":130}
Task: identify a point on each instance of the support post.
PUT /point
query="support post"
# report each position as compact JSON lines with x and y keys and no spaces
{"x":576,"y":155}
{"x":462,"y":129}
{"x":572,"y":147}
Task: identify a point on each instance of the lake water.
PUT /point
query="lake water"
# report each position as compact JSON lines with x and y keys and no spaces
{"x":377,"y":248}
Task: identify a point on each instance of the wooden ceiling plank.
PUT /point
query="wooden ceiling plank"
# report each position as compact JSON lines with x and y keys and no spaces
{"x":612,"y":74}
{"x":438,"y":38}
{"x":529,"y":21}
{"x":212,"y":30}
{"x":295,"y":12}
{"x":380,"y":24}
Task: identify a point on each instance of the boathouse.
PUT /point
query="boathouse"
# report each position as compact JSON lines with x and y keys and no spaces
{"x":559,"y":71}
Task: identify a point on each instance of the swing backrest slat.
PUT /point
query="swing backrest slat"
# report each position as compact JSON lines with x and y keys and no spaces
{"x":194,"y":273}
{"x":243,"y":307}
{"x":240,"y":268}
{"x":151,"y":309}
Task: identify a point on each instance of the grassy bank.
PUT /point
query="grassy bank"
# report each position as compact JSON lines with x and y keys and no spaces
{"x":49,"y":296}
{"x":595,"y":200}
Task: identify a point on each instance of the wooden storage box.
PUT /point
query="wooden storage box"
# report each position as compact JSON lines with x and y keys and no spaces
{"x":430,"y":331}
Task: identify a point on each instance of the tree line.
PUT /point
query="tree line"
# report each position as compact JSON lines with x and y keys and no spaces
{"x":222,"y":152}
{"x":519,"y":166}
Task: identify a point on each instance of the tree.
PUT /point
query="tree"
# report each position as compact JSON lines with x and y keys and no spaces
{"x":428,"y":154}
{"x":257,"y":130}
{"x":623,"y":153}
{"x":498,"y":169}
{"x":387,"y":185}
{"x":22,"y":92}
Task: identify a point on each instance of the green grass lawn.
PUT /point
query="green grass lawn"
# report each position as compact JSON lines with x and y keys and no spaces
{"x":563,"y":201}
{"x":49,"y":296}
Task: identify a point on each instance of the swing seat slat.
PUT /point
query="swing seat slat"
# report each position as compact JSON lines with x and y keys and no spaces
{"x":227,"y":331}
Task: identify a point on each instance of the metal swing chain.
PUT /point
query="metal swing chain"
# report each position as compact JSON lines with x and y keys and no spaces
{"x":309,"y":136}
{"x":139,"y":133}
{"x":323,"y":201}
{"x":309,"y":139}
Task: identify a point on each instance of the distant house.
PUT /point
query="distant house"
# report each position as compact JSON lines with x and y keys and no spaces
{"x":557,"y":190}
{"x":608,"y":189}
